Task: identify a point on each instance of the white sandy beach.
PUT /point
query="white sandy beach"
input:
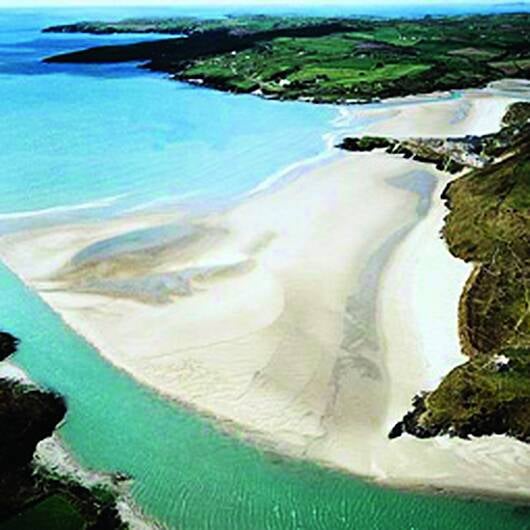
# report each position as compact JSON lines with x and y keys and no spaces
{"x":265,"y":315}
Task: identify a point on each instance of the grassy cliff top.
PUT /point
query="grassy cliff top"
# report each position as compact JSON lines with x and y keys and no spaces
{"x":489,"y":226}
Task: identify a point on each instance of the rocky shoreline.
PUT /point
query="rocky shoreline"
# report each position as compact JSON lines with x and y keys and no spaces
{"x":29,"y":490}
{"x":488,"y":225}
{"x":452,"y":155}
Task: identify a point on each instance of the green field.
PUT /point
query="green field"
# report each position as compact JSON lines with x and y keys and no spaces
{"x":54,"y":513}
{"x":326,"y":60}
{"x":386,"y":60}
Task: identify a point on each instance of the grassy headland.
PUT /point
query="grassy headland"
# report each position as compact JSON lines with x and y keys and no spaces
{"x":323,"y":59}
{"x":489,"y":226}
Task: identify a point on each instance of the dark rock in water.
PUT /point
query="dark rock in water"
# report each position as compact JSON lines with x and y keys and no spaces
{"x":366,"y":143}
{"x":27,"y":416}
{"x":8,"y":345}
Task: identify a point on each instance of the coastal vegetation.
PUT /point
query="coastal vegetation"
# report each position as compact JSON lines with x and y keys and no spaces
{"x":452,"y":155}
{"x":31,"y":495}
{"x":188,"y":25}
{"x":489,"y":226}
{"x":323,"y":59}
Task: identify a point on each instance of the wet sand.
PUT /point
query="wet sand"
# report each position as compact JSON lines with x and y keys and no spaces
{"x":307,"y":316}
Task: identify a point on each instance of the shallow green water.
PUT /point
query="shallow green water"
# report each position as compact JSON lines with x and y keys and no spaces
{"x":190,"y":475}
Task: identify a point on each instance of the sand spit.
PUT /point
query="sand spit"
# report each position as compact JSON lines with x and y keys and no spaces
{"x":307,"y":316}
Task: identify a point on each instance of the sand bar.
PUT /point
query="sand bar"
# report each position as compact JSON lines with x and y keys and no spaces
{"x":307,"y":316}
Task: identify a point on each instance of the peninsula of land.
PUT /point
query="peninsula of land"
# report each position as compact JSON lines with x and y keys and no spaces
{"x":326,"y":60}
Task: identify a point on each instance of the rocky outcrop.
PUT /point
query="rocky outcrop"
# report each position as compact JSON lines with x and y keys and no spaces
{"x":451,"y":156}
{"x":29,"y":415}
{"x":367,"y":143}
{"x":411,"y":421}
{"x":8,"y":345}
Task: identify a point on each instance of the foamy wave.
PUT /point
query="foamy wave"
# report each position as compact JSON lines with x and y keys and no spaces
{"x":13,"y":373}
{"x":162,"y":202}
{"x":345,"y":119}
{"x":101,"y":203}
{"x":295,"y":169}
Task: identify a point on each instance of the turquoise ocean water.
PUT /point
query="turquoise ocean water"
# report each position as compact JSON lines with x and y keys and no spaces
{"x":98,"y":141}
{"x":111,"y":139}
